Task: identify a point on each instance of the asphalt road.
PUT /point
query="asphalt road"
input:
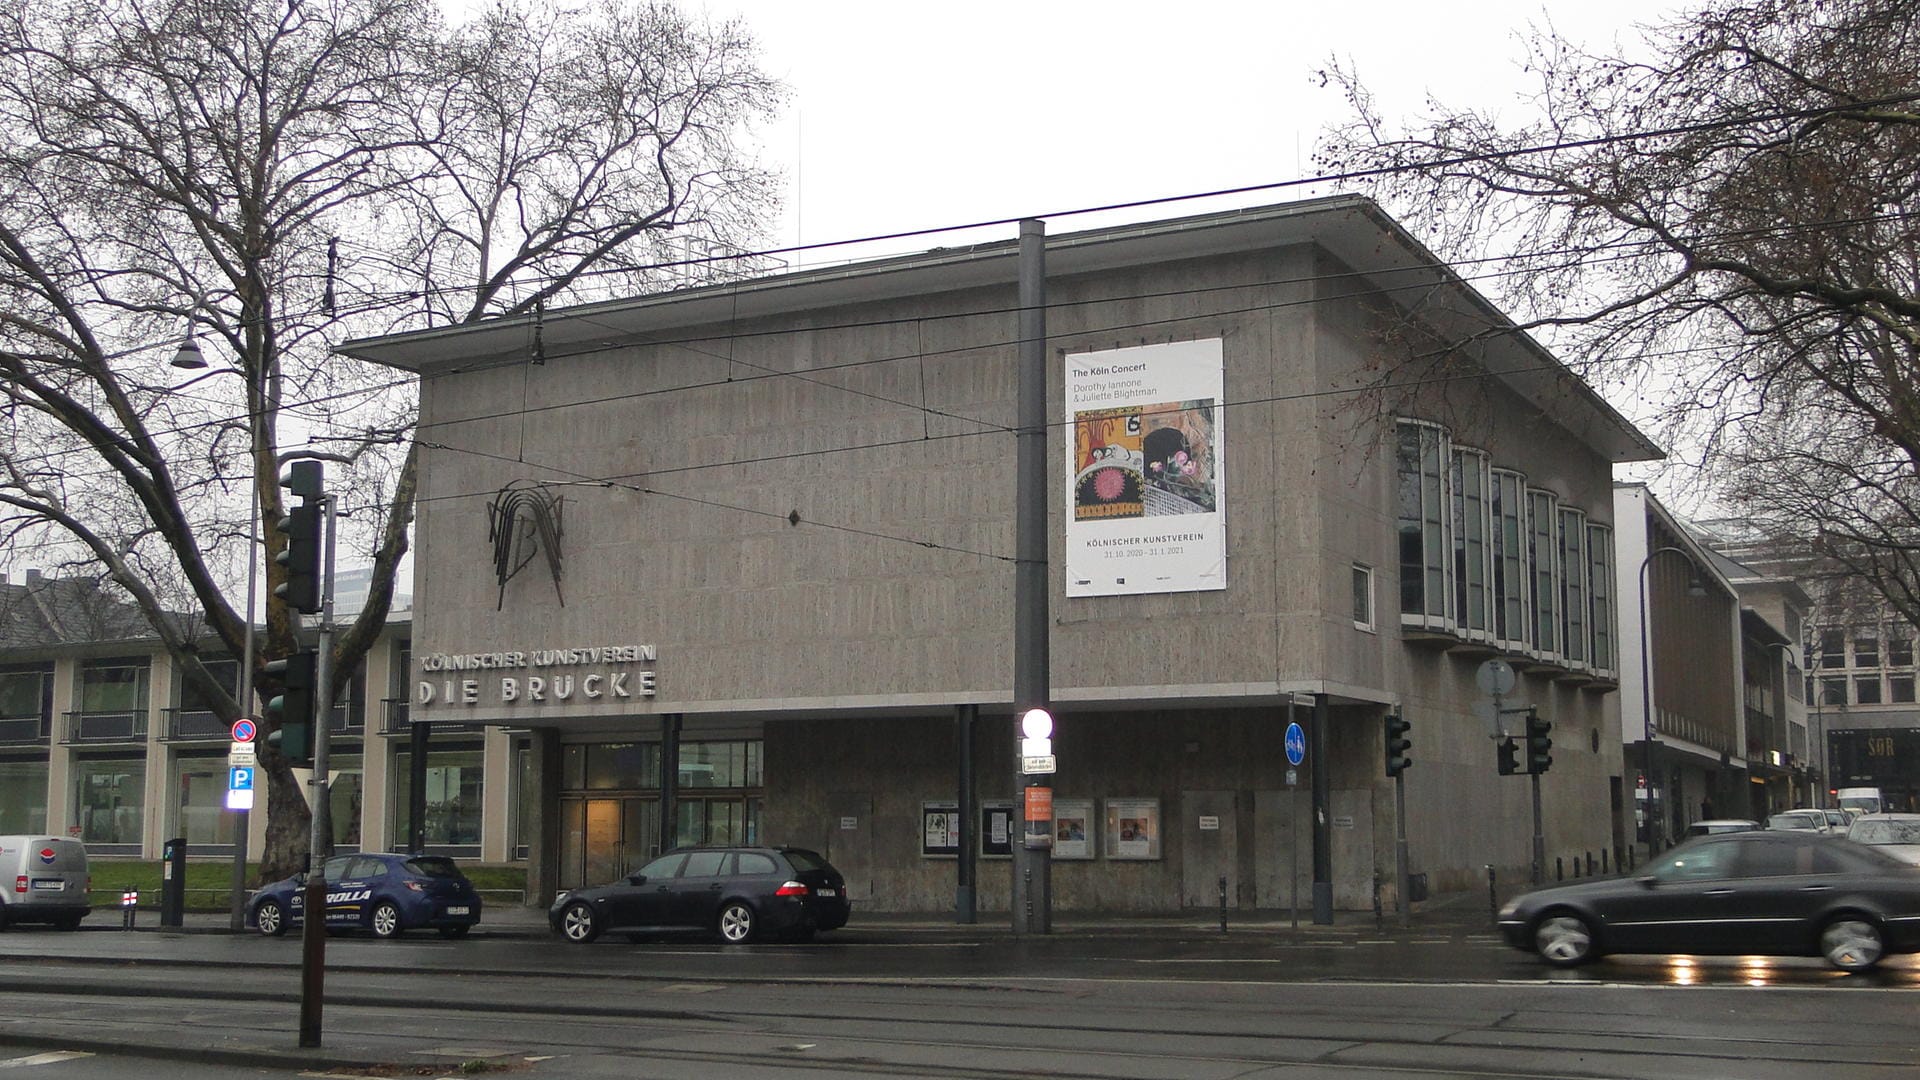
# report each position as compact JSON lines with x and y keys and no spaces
{"x":1153,"y":1001}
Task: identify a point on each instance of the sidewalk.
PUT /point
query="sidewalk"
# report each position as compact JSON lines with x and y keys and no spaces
{"x":1453,"y":913}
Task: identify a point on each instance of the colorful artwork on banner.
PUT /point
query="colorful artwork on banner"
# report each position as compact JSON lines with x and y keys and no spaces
{"x":1145,"y":469}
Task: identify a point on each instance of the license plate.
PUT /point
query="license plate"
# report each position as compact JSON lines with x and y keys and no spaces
{"x":829,"y":892}
{"x":49,"y":886}
{"x":461,"y":910}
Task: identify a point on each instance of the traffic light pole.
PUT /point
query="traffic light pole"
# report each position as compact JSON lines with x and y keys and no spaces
{"x":1539,"y":837}
{"x":1403,"y":878}
{"x":313,"y":936}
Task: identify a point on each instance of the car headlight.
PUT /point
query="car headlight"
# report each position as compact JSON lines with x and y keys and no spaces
{"x":1509,"y":908}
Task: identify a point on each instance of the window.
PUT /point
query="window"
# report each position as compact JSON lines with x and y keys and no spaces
{"x":224,"y":672}
{"x":346,"y":798}
{"x":1600,"y":594}
{"x":203,"y":816}
{"x":752,"y":863}
{"x":1509,"y":559}
{"x":1866,"y":689}
{"x":1572,"y":557}
{"x":114,"y":686}
{"x":1472,"y":521}
{"x":1833,"y":690}
{"x":663,"y":867}
{"x":1900,"y":689}
{"x":23,"y":796}
{"x":1422,"y":513}
{"x":1866,"y":651}
{"x":1833,"y":649}
{"x":453,"y":793}
{"x":704,"y":864}
{"x":1543,"y":567}
{"x":108,"y":798}
{"x":1899,"y":651}
{"x":1362,"y":597}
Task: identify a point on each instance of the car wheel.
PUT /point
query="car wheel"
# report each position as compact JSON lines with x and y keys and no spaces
{"x":1564,"y":939}
{"x":386,"y":919}
{"x":454,"y":931}
{"x":736,"y":922}
{"x":579,"y":924}
{"x":1851,"y":943}
{"x":270,"y":919}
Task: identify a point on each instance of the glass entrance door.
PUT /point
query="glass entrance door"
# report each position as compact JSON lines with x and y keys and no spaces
{"x":606,"y":838}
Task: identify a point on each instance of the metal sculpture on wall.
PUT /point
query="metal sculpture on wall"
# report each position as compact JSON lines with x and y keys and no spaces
{"x":523,"y":522}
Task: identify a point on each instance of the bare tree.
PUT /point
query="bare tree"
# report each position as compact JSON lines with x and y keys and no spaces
{"x":273,"y":176}
{"x":1721,"y":227}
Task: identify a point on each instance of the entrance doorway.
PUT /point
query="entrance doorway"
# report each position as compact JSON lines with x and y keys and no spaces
{"x":605,"y":838}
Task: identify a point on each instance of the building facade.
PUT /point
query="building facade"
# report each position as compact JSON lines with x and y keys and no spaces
{"x":738,"y":561}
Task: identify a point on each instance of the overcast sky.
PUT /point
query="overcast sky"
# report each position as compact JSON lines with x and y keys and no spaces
{"x":908,"y":116}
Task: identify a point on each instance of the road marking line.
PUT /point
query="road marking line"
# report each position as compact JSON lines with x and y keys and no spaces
{"x":43,"y":1059}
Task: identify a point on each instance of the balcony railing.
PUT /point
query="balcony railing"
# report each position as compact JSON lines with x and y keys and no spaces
{"x":24,"y":730}
{"x":104,"y":726}
{"x":397,"y":719}
{"x":196,"y":725}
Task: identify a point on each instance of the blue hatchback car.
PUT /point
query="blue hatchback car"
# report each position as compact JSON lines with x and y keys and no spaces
{"x":382,"y":893}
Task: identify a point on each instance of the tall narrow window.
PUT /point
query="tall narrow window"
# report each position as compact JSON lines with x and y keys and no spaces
{"x":1510,"y":559}
{"x":1833,"y":648}
{"x":1472,"y":521}
{"x":1362,"y":597}
{"x":1866,"y":650}
{"x":1600,"y":595}
{"x":1573,"y":584}
{"x":1422,"y":522}
{"x":1543,"y":568}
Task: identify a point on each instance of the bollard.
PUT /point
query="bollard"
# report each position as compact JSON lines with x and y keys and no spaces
{"x":1559,"y":868}
{"x":1223,"y":905}
{"x":1603,"y":862}
{"x":129,"y":903}
{"x":1493,"y":898}
{"x":1589,"y":864}
{"x":1376,"y":900}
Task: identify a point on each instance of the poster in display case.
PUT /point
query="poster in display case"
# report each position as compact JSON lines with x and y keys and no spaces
{"x":1073,"y":829}
{"x":940,"y":830}
{"x":996,"y":830}
{"x":1133,"y":829}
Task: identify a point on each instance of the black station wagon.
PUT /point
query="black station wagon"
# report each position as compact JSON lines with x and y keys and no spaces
{"x":740,"y":893}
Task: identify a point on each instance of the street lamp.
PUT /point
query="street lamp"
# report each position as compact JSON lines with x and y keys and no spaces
{"x":1694,"y":588}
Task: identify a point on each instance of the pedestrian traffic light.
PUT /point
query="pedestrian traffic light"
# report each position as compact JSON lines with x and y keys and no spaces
{"x":291,"y":713}
{"x":1509,"y":757}
{"x":1539,"y":746}
{"x":1397,"y":745}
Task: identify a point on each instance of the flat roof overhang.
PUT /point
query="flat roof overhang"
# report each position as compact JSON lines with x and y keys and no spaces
{"x":1351,"y":229}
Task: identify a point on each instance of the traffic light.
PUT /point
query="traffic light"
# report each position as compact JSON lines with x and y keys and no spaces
{"x":1397,"y":745}
{"x":301,"y":558}
{"x":1539,"y":747}
{"x":1509,"y":757}
{"x":292,"y":710}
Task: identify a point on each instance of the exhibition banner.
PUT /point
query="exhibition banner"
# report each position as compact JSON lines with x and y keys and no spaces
{"x":1145,"y":469}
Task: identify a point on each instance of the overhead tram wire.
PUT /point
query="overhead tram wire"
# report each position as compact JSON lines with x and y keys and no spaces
{"x":1567,"y":366}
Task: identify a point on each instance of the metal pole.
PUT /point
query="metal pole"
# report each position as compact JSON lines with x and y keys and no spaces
{"x":1403,"y":877}
{"x":1032,"y":867}
{"x":964,"y":910}
{"x":669,"y":781}
{"x":1322,"y":826}
{"x":1539,"y":838}
{"x":313,"y":937}
{"x":419,"y":738}
{"x":237,"y":890}
{"x":1293,"y":793}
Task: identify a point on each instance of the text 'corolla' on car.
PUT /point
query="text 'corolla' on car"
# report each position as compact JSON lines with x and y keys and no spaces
{"x":1774,"y":893}
{"x":384,"y":893}
{"x":741,"y":893}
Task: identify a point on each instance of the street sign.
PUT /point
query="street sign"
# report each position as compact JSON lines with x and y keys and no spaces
{"x":1292,"y":778}
{"x":1037,"y":765}
{"x":244,"y":730}
{"x":1296,"y":744}
{"x":1495,"y":677}
{"x":239,"y":778}
{"x":243,"y":753}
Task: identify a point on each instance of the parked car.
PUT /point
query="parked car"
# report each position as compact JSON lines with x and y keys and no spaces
{"x":1896,"y":834}
{"x":1801,"y":821}
{"x":741,"y":893}
{"x":46,"y":881}
{"x":1720,"y":825}
{"x":384,"y":893}
{"x":1771,"y":892}
{"x":1838,"y":820}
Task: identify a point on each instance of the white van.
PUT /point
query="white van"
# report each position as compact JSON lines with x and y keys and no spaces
{"x":1860,"y":800}
{"x":43,"y":879}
